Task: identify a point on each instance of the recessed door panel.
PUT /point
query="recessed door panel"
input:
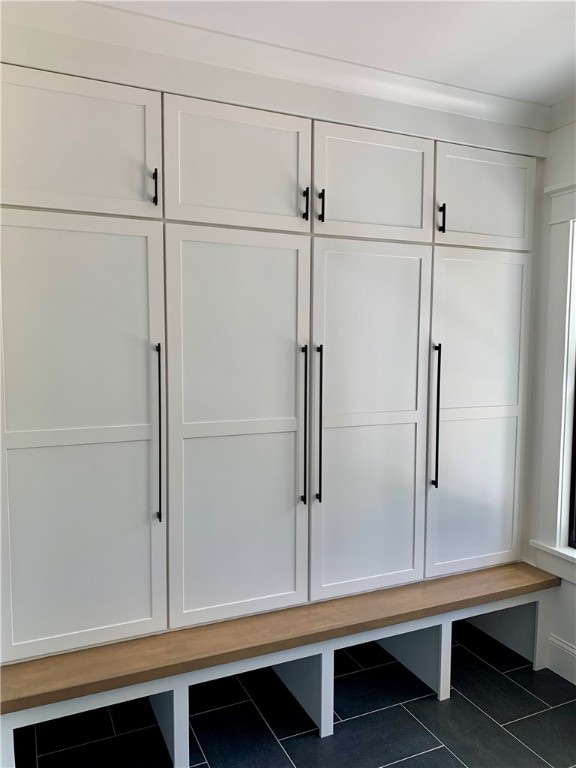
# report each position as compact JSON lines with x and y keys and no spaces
{"x":75,"y":328}
{"x":80,"y":538}
{"x":239,"y":527}
{"x":475,"y":504}
{"x":238,"y":324}
{"x":368,"y":508}
{"x":482,"y":312}
{"x":372,"y":316}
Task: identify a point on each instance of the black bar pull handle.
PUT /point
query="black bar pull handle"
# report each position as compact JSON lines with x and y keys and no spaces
{"x":322,"y":197}
{"x":306,"y":196}
{"x":158,"y":348}
{"x":155,"y":177}
{"x":320,"y":351}
{"x":437,"y":348}
{"x":442,"y":225}
{"x":304,"y":496}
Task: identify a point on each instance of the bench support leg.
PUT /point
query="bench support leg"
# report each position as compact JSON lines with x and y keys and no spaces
{"x":426,"y":653}
{"x":542,"y":631}
{"x":171,"y":710}
{"x":311,"y":682}
{"x":7,"y":743}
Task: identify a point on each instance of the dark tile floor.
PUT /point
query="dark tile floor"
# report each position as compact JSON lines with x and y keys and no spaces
{"x":501,"y":715}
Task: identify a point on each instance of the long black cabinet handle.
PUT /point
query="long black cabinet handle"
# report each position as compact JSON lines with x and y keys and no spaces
{"x":304,"y":496}
{"x":437,"y":348}
{"x":159,"y":513}
{"x":320,"y":351}
{"x":322,"y":197}
{"x":155,"y":177}
{"x":306,"y":196}
{"x":442,"y":225}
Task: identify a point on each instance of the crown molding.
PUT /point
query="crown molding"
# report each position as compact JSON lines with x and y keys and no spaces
{"x":555,"y":190}
{"x":562,"y":114}
{"x":102,"y":23}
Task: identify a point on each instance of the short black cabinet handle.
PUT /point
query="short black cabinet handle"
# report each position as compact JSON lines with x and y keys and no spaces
{"x":155,"y":177}
{"x":158,"y":348}
{"x":306,"y":196}
{"x":322,"y":197}
{"x":442,"y":225}
{"x":320,"y":351}
{"x":303,"y":498}
{"x":437,"y":348}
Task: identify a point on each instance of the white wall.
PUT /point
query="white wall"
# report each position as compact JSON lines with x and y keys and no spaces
{"x":560,"y":165}
{"x":559,"y":168}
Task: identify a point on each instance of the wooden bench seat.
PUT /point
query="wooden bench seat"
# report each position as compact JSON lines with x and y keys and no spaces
{"x":80,"y":673}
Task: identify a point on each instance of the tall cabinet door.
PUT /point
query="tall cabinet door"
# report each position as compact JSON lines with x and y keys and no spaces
{"x":83,"y":548}
{"x":370,"y":335}
{"x":238,"y":319}
{"x":480,"y":322}
{"x":372,"y":184}
{"x":80,"y":145}
{"x":236,"y":166}
{"x":484,"y":198}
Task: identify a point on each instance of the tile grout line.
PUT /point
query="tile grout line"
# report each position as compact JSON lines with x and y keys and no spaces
{"x":410,"y":757}
{"x":198,"y":742}
{"x":502,"y":727}
{"x":266,"y":722}
{"x":96,"y":741}
{"x":551,"y":708}
{"x":515,"y":669}
{"x":217,"y":709}
{"x":382,"y":709}
{"x":111,"y":721}
{"x":504,"y":675}
{"x":302,"y":733}
{"x":365,"y":669}
{"x":434,"y":735}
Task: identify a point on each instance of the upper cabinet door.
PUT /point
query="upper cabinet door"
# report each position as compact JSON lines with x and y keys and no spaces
{"x":79,"y":145}
{"x":484,"y":198}
{"x":230,"y":165}
{"x":372,"y":184}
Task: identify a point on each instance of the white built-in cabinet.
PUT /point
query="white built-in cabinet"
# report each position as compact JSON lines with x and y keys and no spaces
{"x":484,"y":198}
{"x":236,"y":166}
{"x":238,"y":334}
{"x":370,"y":337}
{"x":323,"y":438}
{"x":79,"y":145}
{"x":83,"y":549}
{"x":479,"y":330}
{"x":372,"y":184}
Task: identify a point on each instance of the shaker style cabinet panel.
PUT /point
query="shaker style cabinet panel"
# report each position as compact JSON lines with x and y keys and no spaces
{"x":369,"y":183}
{"x":79,"y":144}
{"x":480,"y":321}
{"x":238,"y":320}
{"x":484,"y":198}
{"x":370,"y":340}
{"x":83,"y":549}
{"x":237,"y":166}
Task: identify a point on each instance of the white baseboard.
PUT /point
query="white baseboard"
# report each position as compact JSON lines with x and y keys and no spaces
{"x":562,"y":658}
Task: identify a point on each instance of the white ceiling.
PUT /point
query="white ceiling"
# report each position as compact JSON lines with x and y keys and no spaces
{"x":520,"y":50}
